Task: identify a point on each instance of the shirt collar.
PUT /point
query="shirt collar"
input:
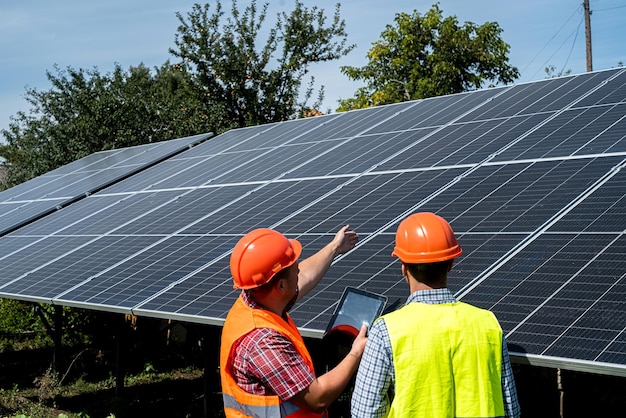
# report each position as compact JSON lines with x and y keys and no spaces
{"x":249,"y":300}
{"x":434,"y":296}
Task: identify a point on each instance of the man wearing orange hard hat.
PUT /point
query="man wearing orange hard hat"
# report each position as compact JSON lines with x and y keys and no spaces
{"x":435,"y":356}
{"x":265,"y":367}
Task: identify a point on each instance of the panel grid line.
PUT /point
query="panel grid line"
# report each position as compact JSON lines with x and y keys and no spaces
{"x":535,"y":234}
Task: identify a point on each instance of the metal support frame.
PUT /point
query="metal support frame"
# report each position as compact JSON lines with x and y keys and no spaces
{"x":119,"y":361}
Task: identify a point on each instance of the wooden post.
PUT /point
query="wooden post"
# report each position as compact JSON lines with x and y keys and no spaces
{"x":588,"y":35}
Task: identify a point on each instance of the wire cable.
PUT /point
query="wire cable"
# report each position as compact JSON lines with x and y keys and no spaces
{"x":571,"y":48}
{"x":575,"y":32}
{"x":550,"y":40}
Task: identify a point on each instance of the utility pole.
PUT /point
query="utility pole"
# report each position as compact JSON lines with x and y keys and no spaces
{"x":588,"y":34}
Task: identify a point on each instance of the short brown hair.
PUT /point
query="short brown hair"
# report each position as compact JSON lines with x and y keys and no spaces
{"x":430,"y":273}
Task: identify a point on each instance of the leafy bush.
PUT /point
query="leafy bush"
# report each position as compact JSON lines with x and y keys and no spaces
{"x":18,"y":317}
{"x":20,"y":322}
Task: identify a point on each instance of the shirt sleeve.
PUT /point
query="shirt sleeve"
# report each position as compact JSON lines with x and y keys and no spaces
{"x":375,"y":375}
{"x":275,"y":362}
{"x":509,"y":390}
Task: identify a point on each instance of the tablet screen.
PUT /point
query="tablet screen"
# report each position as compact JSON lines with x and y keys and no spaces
{"x":356,"y":307}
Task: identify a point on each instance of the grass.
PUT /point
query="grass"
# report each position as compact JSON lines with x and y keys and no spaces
{"x":161,"y":379}
{"x":172,"y":393}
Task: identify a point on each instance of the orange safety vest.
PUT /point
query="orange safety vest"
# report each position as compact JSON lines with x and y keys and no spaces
{"x":237,"y":402}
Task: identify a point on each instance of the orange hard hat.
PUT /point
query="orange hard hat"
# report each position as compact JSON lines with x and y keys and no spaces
{"x":425,"y":238}
{"x":259,"y":255}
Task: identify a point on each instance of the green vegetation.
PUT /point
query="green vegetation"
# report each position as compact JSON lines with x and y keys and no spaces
{"x":25,"y":325}
{"x":86,"y":111}
{"x":245,"y":85}
{"x":162,"y":375}
{"x":221,"y":81}
{"x":224,"y":76}
{"x":429,"y":55}
{"x":551,"y":72}
{"x":50,"y":398}
{"x":15,"y":318}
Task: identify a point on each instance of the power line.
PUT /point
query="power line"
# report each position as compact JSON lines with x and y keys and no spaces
{"x":550,"y":40}
{"x":571,"y":48}
{"x":607,"y":8}
{"x":610,"y":8}
{"x":573,"y":33}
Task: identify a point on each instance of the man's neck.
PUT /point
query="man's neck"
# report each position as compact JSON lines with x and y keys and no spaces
{"x":269,"y":305}
{"x":415,"y":286}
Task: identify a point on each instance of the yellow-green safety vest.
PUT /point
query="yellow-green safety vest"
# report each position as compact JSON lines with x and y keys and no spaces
{"x":447,"y":361}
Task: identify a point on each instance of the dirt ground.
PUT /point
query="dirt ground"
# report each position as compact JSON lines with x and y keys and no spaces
{"x":170,"y":390}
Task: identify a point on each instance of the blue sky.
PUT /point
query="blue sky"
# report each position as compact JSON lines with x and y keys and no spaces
{"x":36,"y":34}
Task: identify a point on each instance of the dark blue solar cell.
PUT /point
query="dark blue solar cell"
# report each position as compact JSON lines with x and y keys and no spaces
{"x":22,"y":256}
{"x":143,"y":275}
{"x":70,"y":261}
{"x":80,"y":178}
{"x":612,"y":90}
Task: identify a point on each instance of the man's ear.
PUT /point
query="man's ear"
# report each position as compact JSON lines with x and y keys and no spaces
{"x":405,"y":275}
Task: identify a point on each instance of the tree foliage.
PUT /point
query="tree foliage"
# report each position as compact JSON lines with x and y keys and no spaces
{"x":257,"y":84}
{"x":18,"y":318}
{"x":551,"y":72}
{"x":429,"y":55}
{"x":222,"y":81}
{"x":86,"y":111}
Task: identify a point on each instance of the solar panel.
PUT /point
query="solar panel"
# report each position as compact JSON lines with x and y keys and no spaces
{"x":34,"y":198}
{"x":530,"y":177}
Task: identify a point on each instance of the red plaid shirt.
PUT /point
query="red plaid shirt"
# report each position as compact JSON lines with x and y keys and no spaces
{"x":267,"y":363}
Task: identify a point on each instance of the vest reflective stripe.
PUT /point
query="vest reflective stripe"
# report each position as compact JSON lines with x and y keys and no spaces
{"x":237,"y":402}
{"x":452,"y":368}
{"x":269,"y":411}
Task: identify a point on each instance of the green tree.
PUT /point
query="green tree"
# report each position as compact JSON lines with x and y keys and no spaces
{"x":86,"y":111}
{"x":256,"y":85}
{"x":429,"y":55}
{"x":222,"y":81}
{"x":20,"y":321}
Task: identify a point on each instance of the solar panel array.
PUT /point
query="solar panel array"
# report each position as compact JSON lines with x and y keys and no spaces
{"x":38,"y":197}
{"x":530,"y":176}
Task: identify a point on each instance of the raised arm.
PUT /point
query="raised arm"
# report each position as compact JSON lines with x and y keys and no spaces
{"x":315,"y":267}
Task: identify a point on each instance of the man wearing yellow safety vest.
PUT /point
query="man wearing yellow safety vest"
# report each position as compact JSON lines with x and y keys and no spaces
{"x":265,"y":368}
{"x":436,"y":356}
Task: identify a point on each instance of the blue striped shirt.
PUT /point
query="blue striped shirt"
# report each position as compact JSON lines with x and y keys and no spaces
{"x":375,"y":376}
